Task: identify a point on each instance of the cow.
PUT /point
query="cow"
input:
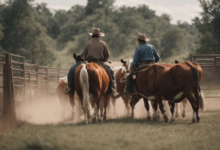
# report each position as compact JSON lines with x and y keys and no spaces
{"x":172,"y":83}
{"x":64,"y":99}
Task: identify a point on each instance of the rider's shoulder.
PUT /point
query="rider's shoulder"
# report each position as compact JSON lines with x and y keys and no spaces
{"x":151,"y":46}
{"x":103,"y":42}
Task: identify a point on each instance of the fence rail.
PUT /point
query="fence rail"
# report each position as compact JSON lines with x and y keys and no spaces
{"x":23,"y":81}
{"x":210,"y":64}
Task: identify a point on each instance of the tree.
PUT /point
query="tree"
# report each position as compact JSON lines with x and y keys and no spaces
{"x":209,"y":27}
{"x":23,"y":35}
{"x":172,"y":42}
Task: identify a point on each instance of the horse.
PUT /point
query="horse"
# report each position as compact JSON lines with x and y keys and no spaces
{"x":120,"y":77}
{"x":170,"y":82}
{"x":91,"y":85}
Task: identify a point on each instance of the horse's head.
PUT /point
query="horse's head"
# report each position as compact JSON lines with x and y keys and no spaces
{"x":78,"y":58}
{"x":127,"y":64}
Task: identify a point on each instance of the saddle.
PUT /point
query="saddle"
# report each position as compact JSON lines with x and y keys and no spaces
{"x":106,"y":68}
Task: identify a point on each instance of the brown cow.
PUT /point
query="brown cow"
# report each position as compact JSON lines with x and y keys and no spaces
{"x":171,"y":83}
{"x":91,"y":84}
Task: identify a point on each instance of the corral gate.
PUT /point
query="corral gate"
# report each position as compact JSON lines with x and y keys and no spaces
{"x":22,"y":81}
{"x":210,"y":64}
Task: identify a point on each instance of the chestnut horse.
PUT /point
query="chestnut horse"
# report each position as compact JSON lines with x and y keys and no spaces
{"x":91,"y":84}
{"x":173,"y":83}
{"x":120,"y":78}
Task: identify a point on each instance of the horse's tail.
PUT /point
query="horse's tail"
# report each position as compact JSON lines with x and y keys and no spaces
{"x":202,"y":101}
{"x":84,"y":83}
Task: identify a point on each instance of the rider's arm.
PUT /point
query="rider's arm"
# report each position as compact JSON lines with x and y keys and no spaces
{"x":136,"y":57}
{"x":156,"y":56}
{"x":106,"y":52}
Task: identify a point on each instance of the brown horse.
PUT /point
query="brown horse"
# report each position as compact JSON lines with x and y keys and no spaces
{"x":91,"y":84}
{"x":172,"y":83}
{"x":120,"y":77}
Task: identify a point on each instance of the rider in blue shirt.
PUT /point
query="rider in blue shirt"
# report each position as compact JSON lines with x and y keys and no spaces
{"x":144,"y":53}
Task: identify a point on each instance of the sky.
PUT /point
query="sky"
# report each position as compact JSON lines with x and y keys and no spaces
{"x":183,"y":10}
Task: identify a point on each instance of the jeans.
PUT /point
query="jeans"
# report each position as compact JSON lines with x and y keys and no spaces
{"x":70,"y":76}
{"x":129,"y":83}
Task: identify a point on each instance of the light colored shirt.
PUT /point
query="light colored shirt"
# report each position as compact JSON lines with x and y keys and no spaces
{"x":145,"y":52}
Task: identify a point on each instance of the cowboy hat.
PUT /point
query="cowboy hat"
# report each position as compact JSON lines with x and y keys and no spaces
{"x":142,"y":36}
{"x":96,"y":31}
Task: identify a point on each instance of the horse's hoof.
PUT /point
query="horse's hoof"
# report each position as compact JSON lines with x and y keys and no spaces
{"x":148,"y":118}
{"x":165,"y":119}
{"x":177,"y":116}
{"x":172,"y":120}
{"x":94,"y":120}
{"x":183,"y":115}
{"x":104,"y":118}
{"x":99,"y":120}
{"x":155,"y":118}
{"x":198,"y":119}
{"x":194,"y":121}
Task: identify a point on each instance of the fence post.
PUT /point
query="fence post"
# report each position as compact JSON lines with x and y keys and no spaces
{"x":8,"y":101}
{"x":36,"y":69}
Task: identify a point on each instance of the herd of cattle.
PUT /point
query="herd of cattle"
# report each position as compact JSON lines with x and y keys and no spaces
{"x":86,"y":84}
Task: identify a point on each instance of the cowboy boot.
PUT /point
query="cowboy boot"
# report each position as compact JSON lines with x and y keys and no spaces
{"x":68,"y":91}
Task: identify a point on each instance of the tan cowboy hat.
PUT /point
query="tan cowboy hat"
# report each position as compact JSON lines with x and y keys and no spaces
{"x":96,"y":31}
{"x":142,"y":36}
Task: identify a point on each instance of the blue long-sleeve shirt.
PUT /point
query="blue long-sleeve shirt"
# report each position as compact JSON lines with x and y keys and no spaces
{"x":145,"y":52}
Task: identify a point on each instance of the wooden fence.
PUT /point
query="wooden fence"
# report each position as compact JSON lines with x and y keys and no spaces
{"x":210,"y":64}
{"x":23,"y":81}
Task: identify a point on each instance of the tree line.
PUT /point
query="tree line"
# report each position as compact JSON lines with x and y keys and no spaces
{"x":36,"y":32}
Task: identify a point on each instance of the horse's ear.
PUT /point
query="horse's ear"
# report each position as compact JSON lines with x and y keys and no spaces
{"x":74,"y":55}
{"x":122,"y":61}
{"x":176,"y":62}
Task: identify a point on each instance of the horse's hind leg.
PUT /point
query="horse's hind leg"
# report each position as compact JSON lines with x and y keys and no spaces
{"x":133,"y":102}
{"x":146,"y":104}
{"x":106,"y":102}
{"x":177,"y":110}
{"x":172,"y":106}
{"x":97,"y":116}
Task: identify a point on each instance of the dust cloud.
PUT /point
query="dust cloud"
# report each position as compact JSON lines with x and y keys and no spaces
{"x":43,"y":111}
{"x":52,"y":111}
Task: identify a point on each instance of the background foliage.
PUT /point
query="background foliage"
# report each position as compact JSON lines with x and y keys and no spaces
{"x":48,"y":37}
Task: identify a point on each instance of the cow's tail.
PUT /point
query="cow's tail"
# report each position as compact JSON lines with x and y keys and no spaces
{"x":84,"y":83}
{"x":198,"y":95}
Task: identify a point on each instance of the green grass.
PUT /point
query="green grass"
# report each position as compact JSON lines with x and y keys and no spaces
{"x":117,"y":134}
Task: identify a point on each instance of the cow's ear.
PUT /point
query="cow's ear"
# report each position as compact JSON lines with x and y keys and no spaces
{"x":123,"y":61}
{"x":176,"y":62}
{"x":74,"y":55}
